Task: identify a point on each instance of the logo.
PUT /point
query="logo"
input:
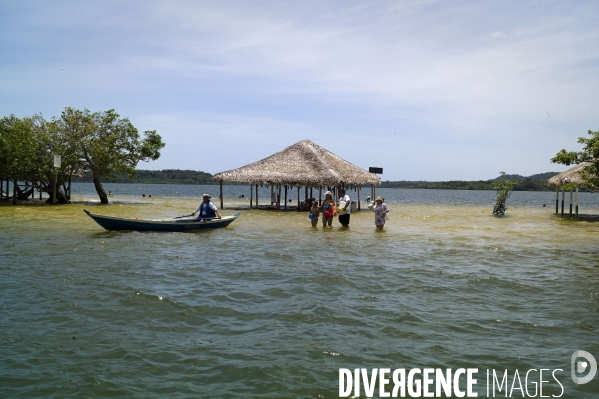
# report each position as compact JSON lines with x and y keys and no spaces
{"x":581,"y":366}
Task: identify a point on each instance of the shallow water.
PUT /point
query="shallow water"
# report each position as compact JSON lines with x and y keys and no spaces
{"x":271,"y":307}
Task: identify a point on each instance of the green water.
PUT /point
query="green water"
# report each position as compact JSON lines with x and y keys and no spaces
{"x":270,"y":307}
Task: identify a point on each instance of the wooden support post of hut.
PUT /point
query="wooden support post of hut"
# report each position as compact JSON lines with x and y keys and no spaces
{"x":359,"y":186}
{"x":251,"y":195}
{"x":305,"y":196}
{"x":279,"y":197}
{"x":570,"y":203}
{"x":298,"y":199}
{"x":556,"y":200}
{"x":563,"y":194}
{"x":576,"y":202}
{"x":256,"y":196}
{"x":221,"y":195}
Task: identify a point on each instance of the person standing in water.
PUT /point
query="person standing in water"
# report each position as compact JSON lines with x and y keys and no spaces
{"x":314,"y":212}
{"x":380,"y":212}
{"x":327,"y":209}
{"x":344,"y":208}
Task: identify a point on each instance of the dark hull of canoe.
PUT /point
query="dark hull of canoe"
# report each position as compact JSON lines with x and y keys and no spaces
{"x":115,"y":223}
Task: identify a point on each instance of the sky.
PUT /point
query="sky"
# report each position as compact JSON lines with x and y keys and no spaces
{"x":427,"y":90}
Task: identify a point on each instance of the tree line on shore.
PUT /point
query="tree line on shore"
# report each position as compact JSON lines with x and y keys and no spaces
{"x":166,"y":176}
{"x":536,"y":182}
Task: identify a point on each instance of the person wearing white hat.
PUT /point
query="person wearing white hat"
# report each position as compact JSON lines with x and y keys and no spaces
{"x":327,"y":209}
{"x":207,"y":209}
{"x":380,"y":212}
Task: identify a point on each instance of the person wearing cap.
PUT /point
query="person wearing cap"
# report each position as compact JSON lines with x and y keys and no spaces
{"x":380,"y":212}
{"x":327,"y":209}
{"x":344,"y":208}
{"x":206,"y":209}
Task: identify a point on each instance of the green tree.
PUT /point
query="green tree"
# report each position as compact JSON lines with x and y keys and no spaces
{"x":22,"y":152}
{"x":504,"y":188}
{"x":27,"y":146}
{"x":589,"y":153}
{"x":103,"y":145}
{"x":20,"y":148}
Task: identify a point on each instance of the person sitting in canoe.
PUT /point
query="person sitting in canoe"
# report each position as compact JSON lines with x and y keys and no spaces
{"x":206,"y":209}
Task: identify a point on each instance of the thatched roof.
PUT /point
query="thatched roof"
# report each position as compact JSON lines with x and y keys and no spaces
{"x":572,"y":175}
{"x":302,"y":164}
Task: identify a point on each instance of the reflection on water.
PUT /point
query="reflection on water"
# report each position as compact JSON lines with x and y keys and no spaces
{"x":272,"y":307}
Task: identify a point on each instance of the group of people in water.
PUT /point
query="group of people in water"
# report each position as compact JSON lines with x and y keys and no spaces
{"x":329,"y":209}
{"x":342,"y":208}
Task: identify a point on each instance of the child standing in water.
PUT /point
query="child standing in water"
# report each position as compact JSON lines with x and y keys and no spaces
{"x":314,"y":212}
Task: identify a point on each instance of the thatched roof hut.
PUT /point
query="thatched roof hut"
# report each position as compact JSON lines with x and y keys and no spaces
{"x":301,"y":164}
{"x":572,"y":175}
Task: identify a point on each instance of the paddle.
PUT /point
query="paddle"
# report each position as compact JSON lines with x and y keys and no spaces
{"x":184,"y":216}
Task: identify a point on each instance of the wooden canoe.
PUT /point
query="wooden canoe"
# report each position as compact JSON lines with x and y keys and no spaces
{"x":117,"y":223}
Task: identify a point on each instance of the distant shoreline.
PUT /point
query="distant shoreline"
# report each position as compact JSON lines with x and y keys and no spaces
{"x":536,"y":182}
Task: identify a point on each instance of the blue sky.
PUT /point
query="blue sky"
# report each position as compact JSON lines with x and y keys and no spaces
{"x":428,"y":90}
